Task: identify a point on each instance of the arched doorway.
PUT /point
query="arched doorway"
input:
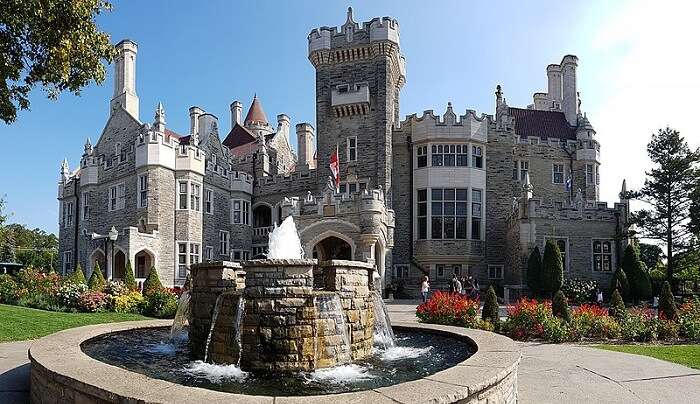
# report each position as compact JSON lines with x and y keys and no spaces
{"x":332,"y":248}
{"x":96,"y":259}
{"x":262,"y":216}
{"x":119,"y":266}
{"x":144,"y":263}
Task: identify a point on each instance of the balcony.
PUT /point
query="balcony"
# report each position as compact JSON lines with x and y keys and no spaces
{"x":262,"y":231}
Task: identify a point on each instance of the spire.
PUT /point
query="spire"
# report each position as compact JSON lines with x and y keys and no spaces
{"x":159,"y":120}
{"x":88,"y":146}
{"x":64,"y":168}
{"x":256,"y":115}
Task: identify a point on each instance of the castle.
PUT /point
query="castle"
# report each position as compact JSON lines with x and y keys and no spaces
{"x":427,"y":195}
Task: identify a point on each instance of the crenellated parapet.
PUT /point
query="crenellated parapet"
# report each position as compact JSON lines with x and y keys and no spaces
{"x":578,"y":210}
{"x":242,"y":182}
{"x":448,"y":126}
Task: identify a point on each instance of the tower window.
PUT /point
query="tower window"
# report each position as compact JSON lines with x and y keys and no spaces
{"x":558,"y":173}
{"x":477,"y":157}
{"x":590,"y":176}
{"x":476,"y":214}
{"x":422,"y":214}
{"x":422,"y":153}
{"x":352,"y":149}
{"x":143,"y":191}
{"x":208,"y":201}
{"x":224,"y":243}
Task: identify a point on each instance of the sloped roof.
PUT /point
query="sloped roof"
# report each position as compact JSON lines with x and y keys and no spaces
{"x":238,"y":136}
{"x":255,"y":113}
{"x":543,"y":124}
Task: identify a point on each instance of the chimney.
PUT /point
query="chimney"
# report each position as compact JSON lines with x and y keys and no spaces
{"x":236,"y":112}
{"x":283,"y":124}
{"x":125,"y":78}
{"x":554,"y":83}
{"x":569,"y":104}
{"x":305,"y":146}
{"x":195,"y":112}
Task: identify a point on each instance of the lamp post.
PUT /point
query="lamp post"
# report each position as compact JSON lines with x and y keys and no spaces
{"x":112,"y":236}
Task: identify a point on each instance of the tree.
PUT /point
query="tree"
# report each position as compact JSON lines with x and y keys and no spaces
{"x":668,"y":189}
{"x":667,"y":306}
{"x":490,"y":310}
{"x":651,"y":255}
{"x":52,"y":43}
{"x":8,"y":246}
{"x":129,"y":279}
{"x":619,"y":283}
{"x":637,"y":277}
{"x":552,"y":268}
{"x":560,"y":306}
{"x":152,"y":283}
{"x":534,"y":271}
{"x":617,"y":306}
{"x":97,"y":280}
{"x":78,"y":277}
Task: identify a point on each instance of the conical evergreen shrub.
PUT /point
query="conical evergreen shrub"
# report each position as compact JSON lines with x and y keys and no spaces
{"x":617,"y":306}
{"x":152,"y":283}
{"x":667,"y":306}
{"x":490,"y":310}
{"x":552,"y":268}
{"x":619,"y":282}
{"x":78,"y":277}
{"x":129,"y":279}
{"x":97,"y":280}
{"x":560,"y":306}
{"x":534,"y":272}
{"x":637,"y":277}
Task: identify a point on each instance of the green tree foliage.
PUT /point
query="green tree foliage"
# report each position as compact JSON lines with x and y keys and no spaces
{"x":668,"y":190}
{"x":667,"y":306}
{"x":97,"y":280}
{"x":560,"y":306}
{"x":619,"y":283}
{"x":129,"y":279}
{"x":552,"y":268}
{"x":617,"y":305}
{"x":534,"y":271}
{"x":637,"y":277}
{"x":651,"y":255}
{"x":52,"y":43}
{"x":490,"y":310}
{"x":152,"y":283}
{"x":78,"y":277}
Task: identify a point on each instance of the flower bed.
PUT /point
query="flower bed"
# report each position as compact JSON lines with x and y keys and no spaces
{"x":448,"y":309}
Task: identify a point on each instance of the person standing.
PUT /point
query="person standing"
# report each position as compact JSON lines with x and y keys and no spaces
{"x":424,"y":289}
{"x":599,"y":297}
{"x":458,"y":286}
{"x":453,"y":283}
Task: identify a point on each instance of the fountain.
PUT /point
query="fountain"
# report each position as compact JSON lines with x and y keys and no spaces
{"x":181,"y":316}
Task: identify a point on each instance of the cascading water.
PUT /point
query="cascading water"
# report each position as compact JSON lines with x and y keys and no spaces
{"x":214,"y":316}
{"x":383,"y":333}
{"x":181,"y":316}
{"x":330,"y":307}
{"x":237,"y":326}
{"x":284,"y":243}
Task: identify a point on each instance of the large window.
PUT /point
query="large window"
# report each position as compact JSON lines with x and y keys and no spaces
{"x":208,"y":253}
{"x":241,"y":255}
{"x":239,"y":211}
{"x":67,"y":262}
{"x":422,"y":214}
{"x":224,"y":243}
{"x":86,"y":205}
{"x":448,"y":213}
{"x":68,"y":211}
{"x":208,"y":201}
{"x":182,"y":195}
{"x":117,"y":197}
{"x":195,"y":197}
{"x":495,"y":271}
{"x":422,"y":153}
{"x":188,"y":253}
{"x":352,"y":148}
{"x":143,"y":191}
{"x":476,"y":214}
{"x":602,"y":256}
{"x":590,"y":175}
{"x":400,"y":271}
{"x":450,"y":155}
{"x":520,"y":169}
{"x":477,"y":157}
{"x":189,"y":191}
{"x":558,"y":173}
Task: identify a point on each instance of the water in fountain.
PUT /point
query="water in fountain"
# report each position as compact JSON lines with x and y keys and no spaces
{"x":181,"y":317}
{"x":383,"y":333}
{"x":237,"y":325}
{"x":214,"y":316}
{"x":284,"y":241}
{"x":329,"y":307}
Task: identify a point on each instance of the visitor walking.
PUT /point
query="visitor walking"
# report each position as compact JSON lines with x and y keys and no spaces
{"x":453,"y":283}
{"x":599,"y":297}
{"x":458,"y":286}
{"x":424,"y":289}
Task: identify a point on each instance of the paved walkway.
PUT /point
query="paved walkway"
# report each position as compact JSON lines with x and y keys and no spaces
{"x":565,"y":373}
{"x":14,"y":373}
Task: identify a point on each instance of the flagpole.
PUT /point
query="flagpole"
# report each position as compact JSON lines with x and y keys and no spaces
{"x":337,"y":183}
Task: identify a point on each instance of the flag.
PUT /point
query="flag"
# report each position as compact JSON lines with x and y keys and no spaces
{"x":335,"y":168}
{"x":568,"y":184}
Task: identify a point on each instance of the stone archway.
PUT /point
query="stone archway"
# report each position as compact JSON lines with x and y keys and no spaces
{"x":97,"y":258}
{"x":119,"y":266}
{"x":144,"y":261}
{"x":332,"y":248}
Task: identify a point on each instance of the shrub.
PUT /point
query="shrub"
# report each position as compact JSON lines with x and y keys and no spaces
{"x":617,"y":306}
{"x":560,"y":307}
{"x":115,"y":288}
{"x":591,"y":321}
{"x":526,"y":319}
{"x":555,"y":329}
{"x":552,"y":268}
{"x":129,"y":279}
{"x":449,"y":309}
{"x":534,"y":271}
{"x":152,"y":283}
{"x":639,"y":325}
{"x":40,"y":300}
{"x":37,"y":282}
{"x":92,"y":301}
{"x":667,"y":330}
{"x":78,"y":276}
{"x":579,"y":291}
{"x":619,"y":282}
{"x":69,"y":294}
{"x":667,"y":306}
{"x":485,"y":325}
{"x":127,"y":303}
{"x":97,"y":280}
{"x":8,"y":289}
{"x":490,"y":310}
{"x":637,"y":277}
{"x":161,"y":303}
{"x":689,"y":319}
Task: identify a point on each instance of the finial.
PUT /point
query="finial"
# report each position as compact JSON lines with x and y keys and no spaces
{"x":624,"y":185}
{"x":349,"y":19}
{"x":449,"y":104}
{"x":64,"y":166}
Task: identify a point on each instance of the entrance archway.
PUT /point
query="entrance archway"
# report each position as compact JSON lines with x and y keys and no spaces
{"x":119,"y":265}
{"x":144,"y":262}
{"x":262,"y":216}
{"x":332,"y":248}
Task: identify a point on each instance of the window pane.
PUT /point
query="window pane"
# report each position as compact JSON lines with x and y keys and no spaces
{"x":461,"y":194}
{"x":436,"y":227}
{"x":449,"y":194}
{"x":422,"y":228}
{"x":449,"y":227}
{"x":422,"y":209}
{"x":422,"y":195}
{"x":461,"y":209}
{"x":449,"y":209}
{"x":461,"y":228}
{"x":436,"y":194}
{"x":437,"y":209}
{"x":596,"y":246}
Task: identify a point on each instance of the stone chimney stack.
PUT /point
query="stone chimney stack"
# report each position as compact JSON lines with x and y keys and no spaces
{"x":569,"y":91}
{"x":236,"y":112}
{"x":554,"y":85}
{"x":195,"y":112}
{"x":125,"y":78}
{"x":305,"y":146}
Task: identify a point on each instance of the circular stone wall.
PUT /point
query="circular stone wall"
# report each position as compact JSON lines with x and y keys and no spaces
{"x":61,"y":372}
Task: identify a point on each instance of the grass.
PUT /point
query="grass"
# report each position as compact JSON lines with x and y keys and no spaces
{"x":687,"y":355}
{"x":21,"y":323}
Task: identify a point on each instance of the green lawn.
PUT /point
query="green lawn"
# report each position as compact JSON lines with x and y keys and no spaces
{"x":688,"y":355}
{"x":20,"y":323}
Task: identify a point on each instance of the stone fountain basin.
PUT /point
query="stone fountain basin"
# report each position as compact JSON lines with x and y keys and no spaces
{"x":61,"y":372}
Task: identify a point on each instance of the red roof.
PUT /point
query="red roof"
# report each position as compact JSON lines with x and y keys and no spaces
{"x":238,"y":136}
{"x":255,"y":113}
{"x":543,"y":124}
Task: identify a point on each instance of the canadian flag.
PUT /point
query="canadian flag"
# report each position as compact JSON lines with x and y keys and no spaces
{"x":335,"y":168}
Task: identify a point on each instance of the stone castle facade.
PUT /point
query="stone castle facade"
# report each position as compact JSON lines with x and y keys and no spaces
{"x":427,"y":195}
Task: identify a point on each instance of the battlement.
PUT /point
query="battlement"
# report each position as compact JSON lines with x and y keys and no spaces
{"x":583,"y":210}
{"x":376,"y":30}
{"x":449,"y":125}
{"x":242,"y":181}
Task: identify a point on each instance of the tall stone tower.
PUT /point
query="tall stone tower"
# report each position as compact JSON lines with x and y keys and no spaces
{"x":125,"y":78}
{"x":359,"y":73}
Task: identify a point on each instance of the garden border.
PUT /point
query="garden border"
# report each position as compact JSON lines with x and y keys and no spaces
{"x":61,"y":372}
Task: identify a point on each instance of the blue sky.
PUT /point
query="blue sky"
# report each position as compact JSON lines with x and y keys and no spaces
{"x":211,"y":53}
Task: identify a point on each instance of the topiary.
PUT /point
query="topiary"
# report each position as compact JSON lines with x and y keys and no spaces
{"x":619,"y":282}
{"x":637,"y":277}
{"x":97,"y":280}
{"x":552,"y":268}
{"x":129,"y":279}
{"x":617,"y":306}
{"x":152,"y":283}
{"x":534,"y":271}
{"x":667,"y":305}
{"x":560,"y":306}
{"x":78,"y":277}
{"x":490,"y":310}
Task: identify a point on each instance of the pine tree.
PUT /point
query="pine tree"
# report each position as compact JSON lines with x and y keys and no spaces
{"x":560,"y":306}
{"x":97,"y":280}
{"x":534,"y":271}
{"x":78,"y":277}
{"x":490,"y":310}
{"x":617,"y":306}
{"x":637,"y":277}
{"x":129,"y":279}
{"x":152,"y":283}
{"x":619,"y":282}
{"x":667,"y":306}
{"x":552,"y":268}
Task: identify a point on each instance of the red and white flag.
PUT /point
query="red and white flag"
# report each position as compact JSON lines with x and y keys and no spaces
{"x":335,"y":168}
